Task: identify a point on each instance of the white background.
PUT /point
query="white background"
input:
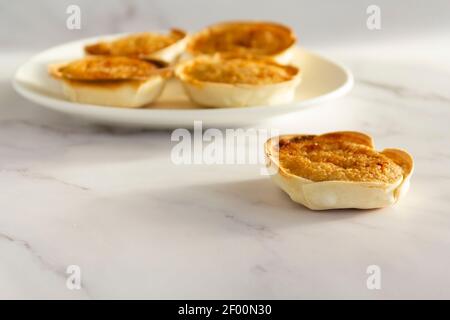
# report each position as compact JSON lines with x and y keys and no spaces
{"x":26,"y":24}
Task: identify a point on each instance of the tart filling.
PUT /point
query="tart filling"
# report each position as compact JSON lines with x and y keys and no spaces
{"x":219,"y":81}
{"x":111,"y":81}
{"x":338,"y":170}
{"x":239,"y":71}
{"x":245,"y":38}
{"x":324,"y":158}
{"x":146,"y":45}
{"x":107,"y":68}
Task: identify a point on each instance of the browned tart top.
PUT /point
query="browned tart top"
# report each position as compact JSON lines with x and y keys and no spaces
{"x":257,"y":38}
{"x":107,"y":68}
{"x":238,"y":71}
{"x":136,"y":45}
{"x":332,"y":158}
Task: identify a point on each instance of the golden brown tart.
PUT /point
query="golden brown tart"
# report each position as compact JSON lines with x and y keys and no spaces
{"x":146,"y":45}
{"x":262,"y":39}
{"x":231,"y":81}
{"x":111,"y":81}
{"x":338,"y":170}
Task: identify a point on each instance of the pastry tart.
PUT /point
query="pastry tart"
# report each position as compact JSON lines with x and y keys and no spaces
{"x":216,"y":81}
{"x":245,"y":38}
{"x":338,"y":170}
{"x":111,"y":81}
{"x":146,"y":45}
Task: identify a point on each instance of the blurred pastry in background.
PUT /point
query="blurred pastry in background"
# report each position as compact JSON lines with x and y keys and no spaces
{"x":111,"y":81}
{"x":216,"y":81}
{"x":145,"y":45}
{"x":262,"y":39}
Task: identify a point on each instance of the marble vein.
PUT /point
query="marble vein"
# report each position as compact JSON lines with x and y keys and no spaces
{"x":405,"y":92}
{"x":263,"y":230}
{"x":71,"y":131}
{"x":26,"y":173}
{"x":58,"y":271}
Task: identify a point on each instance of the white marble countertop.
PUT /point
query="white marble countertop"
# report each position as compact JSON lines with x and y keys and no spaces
{"x":110,"y":200}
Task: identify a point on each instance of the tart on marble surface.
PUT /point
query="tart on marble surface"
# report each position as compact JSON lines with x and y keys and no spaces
{"x":145,"y":45}
{"x":338,"y":170}
{"x":111,"y":81}
{"x":218,"y":81}
{"x":266,"y":39}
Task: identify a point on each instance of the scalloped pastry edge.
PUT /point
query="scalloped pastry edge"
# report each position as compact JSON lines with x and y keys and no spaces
{"x":326,"y":195}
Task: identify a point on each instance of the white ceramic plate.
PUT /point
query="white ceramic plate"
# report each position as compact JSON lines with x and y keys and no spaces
{"x":322,"y":80}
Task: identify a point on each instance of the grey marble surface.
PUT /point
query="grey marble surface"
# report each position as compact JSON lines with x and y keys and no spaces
{"x":110,"y":200}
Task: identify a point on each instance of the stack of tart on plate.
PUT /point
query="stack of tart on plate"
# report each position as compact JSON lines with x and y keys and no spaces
{"x":234,"y":64}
